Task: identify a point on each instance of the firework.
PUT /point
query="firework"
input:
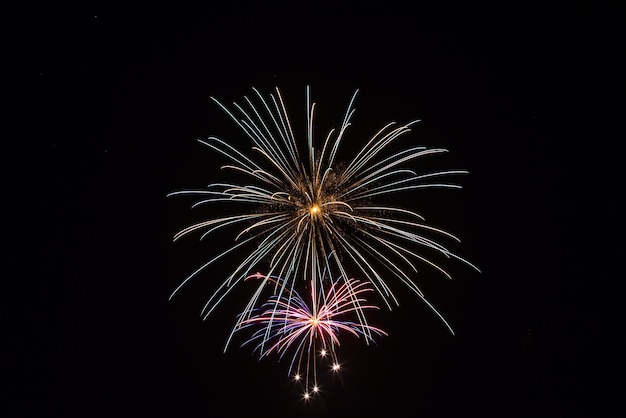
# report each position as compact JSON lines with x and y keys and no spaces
{"x":311,"y":331}
{"x":302,"y":213}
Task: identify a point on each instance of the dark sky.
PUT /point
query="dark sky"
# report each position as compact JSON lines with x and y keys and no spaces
{"x":121,"y":97}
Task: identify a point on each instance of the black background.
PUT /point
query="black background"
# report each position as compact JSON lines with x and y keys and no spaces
{"x":120,"y":97}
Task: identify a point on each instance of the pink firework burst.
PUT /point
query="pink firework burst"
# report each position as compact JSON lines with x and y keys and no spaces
{"x":311,"y":331}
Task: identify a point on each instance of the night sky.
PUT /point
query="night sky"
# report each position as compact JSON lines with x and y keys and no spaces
{"x":120,"y":98}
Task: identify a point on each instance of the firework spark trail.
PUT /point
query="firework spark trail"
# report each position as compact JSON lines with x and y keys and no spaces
{"x":304,"y":219}
{"x":310,"y":331}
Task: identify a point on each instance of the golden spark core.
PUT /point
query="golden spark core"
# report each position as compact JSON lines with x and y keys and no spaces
{"x":315,"y":209}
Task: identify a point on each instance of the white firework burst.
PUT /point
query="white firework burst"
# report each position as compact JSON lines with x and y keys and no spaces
{"x":302,"y":212}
